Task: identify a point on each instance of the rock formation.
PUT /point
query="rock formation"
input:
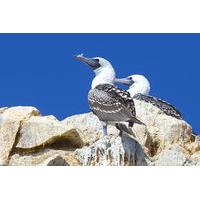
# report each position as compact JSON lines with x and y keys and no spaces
{"x":27,"y":138}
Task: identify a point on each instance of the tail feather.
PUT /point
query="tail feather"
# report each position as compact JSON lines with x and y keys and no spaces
{"x":124,"y":128}
{"x":137,"y":121}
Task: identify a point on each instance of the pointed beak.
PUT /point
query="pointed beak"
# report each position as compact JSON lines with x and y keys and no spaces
{"x":125,"y":81}
{"x":94,"y":64}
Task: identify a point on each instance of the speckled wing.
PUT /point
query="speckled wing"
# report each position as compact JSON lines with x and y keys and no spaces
{"x":111,"y":103}
{"x":166,"y":107}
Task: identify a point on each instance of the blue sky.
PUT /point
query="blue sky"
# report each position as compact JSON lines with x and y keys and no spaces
{"x":40,"y":70}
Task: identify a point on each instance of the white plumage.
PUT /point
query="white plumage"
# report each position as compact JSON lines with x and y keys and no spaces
{"x":104,"y":74}
{"x":140,"y":85}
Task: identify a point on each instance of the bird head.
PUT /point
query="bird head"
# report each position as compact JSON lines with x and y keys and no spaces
{"x":96,"y":64}
{"x":105,"y":73}
{"x":132,"y":79}
{"x":137,"y":84}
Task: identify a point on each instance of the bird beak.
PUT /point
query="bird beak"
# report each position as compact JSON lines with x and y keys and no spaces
{"x":89,"y":61}
{"x":125,"y":81}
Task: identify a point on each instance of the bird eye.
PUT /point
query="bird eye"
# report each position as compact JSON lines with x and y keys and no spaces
{"x":96,"y":59}
{"x":130,"y":78}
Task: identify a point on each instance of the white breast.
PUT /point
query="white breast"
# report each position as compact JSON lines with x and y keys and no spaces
{"x":104,"y":76}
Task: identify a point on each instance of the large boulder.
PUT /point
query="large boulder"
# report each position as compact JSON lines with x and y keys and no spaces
{"x":88,"y":124}
{"x":163,"y":130}
{"x":11,"y":120}
{"x":39,"y":131}
{"x":174,"y":155}
{"x":44,"y":157}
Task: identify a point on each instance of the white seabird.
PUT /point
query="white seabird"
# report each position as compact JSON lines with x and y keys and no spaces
{"x":109,"y":103}
{"x":139,"y":88}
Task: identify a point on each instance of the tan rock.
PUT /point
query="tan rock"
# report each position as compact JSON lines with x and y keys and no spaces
{"x":55,"y":161}
{"x":40,"y":131}
{"x":26,"y":138}
{"x":3,"y":109}
{"x":88,"y":124}
{"x":173,"y":156}
{"x":112,"y":150}
{"x":20,"y":113}
{"x":10,"y":122}
{"x":45,"y":157}
{"x":196,"y":145}
{"x":91,"y":129}
{"x":196,"y":158}
{"x":163,"y":129}
{"x":8,"y":132}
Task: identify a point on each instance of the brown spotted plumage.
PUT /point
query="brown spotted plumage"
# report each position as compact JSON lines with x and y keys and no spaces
{"x":112,"y":104}
{"x":164,"y":106}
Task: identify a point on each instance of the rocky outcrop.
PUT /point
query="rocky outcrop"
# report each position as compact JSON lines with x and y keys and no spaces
{"x":27,"y":138}
{"x":39,"y":131}
{"x":11,"y":120}
{"x":113,"y":150}
{"x":44,"y":157}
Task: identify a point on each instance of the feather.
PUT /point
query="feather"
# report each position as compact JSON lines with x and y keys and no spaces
{"x":111,"y":103}
{"x":164,"y":106}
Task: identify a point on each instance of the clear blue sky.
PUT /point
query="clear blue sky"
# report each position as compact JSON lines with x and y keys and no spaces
{"x":40,"y":70}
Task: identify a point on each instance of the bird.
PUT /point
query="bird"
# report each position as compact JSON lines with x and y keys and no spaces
{"x":139,"y":89}
{"x":108,"y":102}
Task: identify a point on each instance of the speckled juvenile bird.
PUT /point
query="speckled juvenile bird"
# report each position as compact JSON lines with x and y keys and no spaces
{"x":109,"y":103}
{"x":139,"y":88}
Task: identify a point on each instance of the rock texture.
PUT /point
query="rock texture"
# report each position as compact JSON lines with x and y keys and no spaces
{"x":11,"y":120}
{"x":112,"y":150}
{"x":45,"y":157}
{"x":27,"y":138}
{"x":38,"y":131}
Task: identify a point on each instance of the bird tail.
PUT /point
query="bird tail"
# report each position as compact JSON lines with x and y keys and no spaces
{"x":137,"y":121}
{"x":125,"y":128}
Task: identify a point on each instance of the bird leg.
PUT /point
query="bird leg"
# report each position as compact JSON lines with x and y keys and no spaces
{"x":105,"y":130}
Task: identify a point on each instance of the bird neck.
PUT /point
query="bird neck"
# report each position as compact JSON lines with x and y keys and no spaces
{"x":104,"y":76}
{"x":142,"y":87}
